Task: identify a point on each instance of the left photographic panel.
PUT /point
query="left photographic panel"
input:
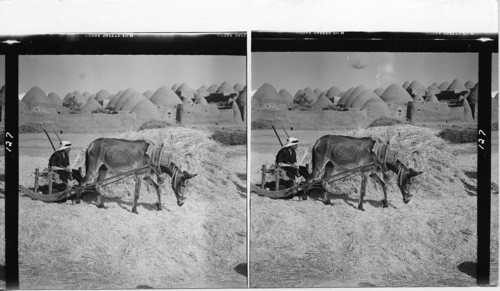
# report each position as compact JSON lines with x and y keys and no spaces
{"x":132,"y":162}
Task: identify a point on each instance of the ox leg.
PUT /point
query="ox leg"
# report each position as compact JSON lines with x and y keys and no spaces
{"x":158,"y":191}
{"x":364,"y":179}
{"x":377,"y":179}
{"x":328,"y":172}
{"x":102,"y":174}
{"x":137,"y":192}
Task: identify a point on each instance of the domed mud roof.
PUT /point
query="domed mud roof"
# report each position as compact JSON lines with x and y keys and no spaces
{"x":334,"y":91}
{"x":123,"y":98}
{"x":395,"y":93}
{"x":146,"y":108}
{"x":102,"y":95}
{"x":355,"y":93}
{"x":135,"y":98}
{"x":91,"y":105}
{"x":55,"y":99}
{"x":286,"y":95}
{"x":165,"y":96}
{"x":362,"y":98}
{"x":225,"y":89}
{"x":379,"y":91}
{"x":456,"y":86}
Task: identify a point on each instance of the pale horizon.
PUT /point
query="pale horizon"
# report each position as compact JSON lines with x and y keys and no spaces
{"x":296,"y":70}
{"x":62,"y":74}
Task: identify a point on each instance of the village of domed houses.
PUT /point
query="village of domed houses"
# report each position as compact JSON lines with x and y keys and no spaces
{"x":326,"y":128}
{"x":92,"y":130}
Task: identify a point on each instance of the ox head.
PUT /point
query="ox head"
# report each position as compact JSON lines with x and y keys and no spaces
{"x":405,"y":177}
{"x":179,"y":181}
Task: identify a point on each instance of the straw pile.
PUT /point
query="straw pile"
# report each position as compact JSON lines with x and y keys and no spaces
{"x":191,"y":150}
{"x":419,"y":148}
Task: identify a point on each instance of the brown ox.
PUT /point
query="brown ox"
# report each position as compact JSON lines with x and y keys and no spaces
{"x":346,"y":153}
{"x":121,"y":156}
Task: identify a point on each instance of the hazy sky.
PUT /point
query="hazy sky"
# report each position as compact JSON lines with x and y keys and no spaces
{"x":67,"y":73}
{"x":297,"y":70}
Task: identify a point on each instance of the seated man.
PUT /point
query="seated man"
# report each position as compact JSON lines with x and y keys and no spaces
{"x":59,"y":163}
{"x":287,"y":160}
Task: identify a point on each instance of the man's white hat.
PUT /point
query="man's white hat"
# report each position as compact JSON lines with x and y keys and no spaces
{"x":291,"y":141}
{"x":64,"y":145}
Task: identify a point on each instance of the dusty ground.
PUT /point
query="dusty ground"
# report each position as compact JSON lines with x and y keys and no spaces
{"x":202,"y":244}
{"x":429,"y":242}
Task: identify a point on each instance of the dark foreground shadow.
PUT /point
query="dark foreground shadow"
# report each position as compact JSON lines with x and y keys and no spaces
{"x":241,"y":269}
{"x":143,"y":287}
{"x":469,"y":268}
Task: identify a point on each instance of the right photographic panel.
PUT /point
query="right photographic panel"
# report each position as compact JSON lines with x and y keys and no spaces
{"x":365,"y":160}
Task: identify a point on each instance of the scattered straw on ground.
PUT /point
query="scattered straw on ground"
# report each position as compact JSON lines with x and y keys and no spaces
{"x":197,"y":245}
{"x":426,"y":242}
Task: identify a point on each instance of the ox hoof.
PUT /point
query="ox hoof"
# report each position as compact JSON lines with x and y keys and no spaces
{"x":303,"y":197}
{"x":134,"y":210}
{"x":158,"y":207}
{"x":77,"y":201}
{"x":384,"y":203}
{"x":101,"y":206}
{"x":360,"y":207}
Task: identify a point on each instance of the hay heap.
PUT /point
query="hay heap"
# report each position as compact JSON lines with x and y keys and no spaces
{"x":225,"y":89}
{"x":148,"y":94}
{"x":456,"y":87}
{"x":242,"y":98}
{"x":184,"y":91}
{"x":91,"y":105}
{"x":469,"y":85}
{"x":286,"y":95}
{"x":36,"y":96}
{"x":379,"y":91}
{"x":421,"y":149}
{"x":190,"y":149}
{"x":55,"y":99}
{"x":322,"y":102}
{"x":406,"y":84}
{"x":317,"y":91}
{"x":416,"y":89}
{"x":123,"y":98}
{"x":334,"y":91}
{"x":396,"y":93}
{"x":102,"y":95}
{"x":237,"y":87}
{"x":362,"y":98}
{"x":146,"y":109}
{"x":213,"y":88}
{"x":165,"y":96}
{"x":132,"y":101}
{"x":444,"y":86}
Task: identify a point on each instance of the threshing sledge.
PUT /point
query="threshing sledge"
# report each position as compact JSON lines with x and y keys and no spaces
{"x":275,"y":190}
{"x":49,"y":193}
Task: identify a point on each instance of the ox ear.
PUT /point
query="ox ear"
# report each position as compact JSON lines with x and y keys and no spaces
{"x":187,"y":175}
{"x":414,"y":173}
